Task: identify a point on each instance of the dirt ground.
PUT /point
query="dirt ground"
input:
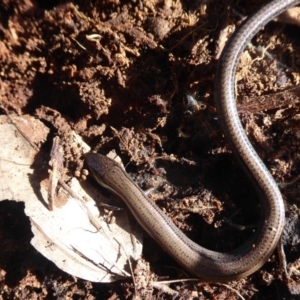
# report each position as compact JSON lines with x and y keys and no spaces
{"x":137,"y":76}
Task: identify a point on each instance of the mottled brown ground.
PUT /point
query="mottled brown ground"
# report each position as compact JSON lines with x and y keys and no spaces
{"x":118,"y":73}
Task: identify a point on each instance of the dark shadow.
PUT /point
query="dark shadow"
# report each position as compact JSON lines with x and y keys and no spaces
{"x":16,"y":253}
{"x":40,"y":168}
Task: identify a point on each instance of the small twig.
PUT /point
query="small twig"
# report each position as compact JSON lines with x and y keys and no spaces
{"x":57,"y":164}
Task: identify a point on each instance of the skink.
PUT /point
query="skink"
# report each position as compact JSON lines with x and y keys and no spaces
{"x":204,"y":263}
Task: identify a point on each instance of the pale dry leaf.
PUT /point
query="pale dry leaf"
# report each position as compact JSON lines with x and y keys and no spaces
{"x":72,"y":236}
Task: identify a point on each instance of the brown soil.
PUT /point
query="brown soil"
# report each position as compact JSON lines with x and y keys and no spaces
{"x":138,"y":77}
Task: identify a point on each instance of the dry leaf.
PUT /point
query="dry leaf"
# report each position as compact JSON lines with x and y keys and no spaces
{"x":72,"y":236}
